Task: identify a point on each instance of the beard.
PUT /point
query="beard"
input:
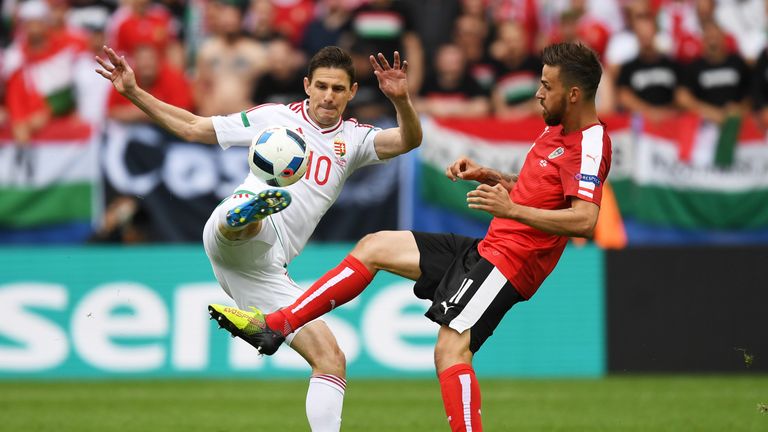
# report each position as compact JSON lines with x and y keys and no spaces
{"x":554,"y":117}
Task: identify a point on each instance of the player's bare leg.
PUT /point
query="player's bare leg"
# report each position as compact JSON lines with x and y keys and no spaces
{"x":458,"y":383}
{"x":325,"y":396}
{"x":392,"y":251}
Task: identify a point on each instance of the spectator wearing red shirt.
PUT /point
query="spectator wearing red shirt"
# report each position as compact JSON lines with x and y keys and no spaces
{"x":159,"y":78}
{"x":139,"y":22}
{"x":473,"y":283}
{"x":38,"y":68}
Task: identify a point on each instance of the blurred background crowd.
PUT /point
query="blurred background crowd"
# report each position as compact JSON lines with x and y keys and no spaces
{"x":467,"y":58}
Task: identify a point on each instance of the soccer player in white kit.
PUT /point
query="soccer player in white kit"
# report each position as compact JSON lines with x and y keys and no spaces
{"x":249,"y":249}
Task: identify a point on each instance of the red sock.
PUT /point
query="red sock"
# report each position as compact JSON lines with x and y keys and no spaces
{"x":335,"y":288}
{"x":461,"y":398}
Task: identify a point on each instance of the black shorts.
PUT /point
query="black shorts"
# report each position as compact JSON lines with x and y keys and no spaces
{"x":466,"y":290}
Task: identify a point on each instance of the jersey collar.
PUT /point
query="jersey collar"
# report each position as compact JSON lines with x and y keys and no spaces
{"x":305,"y":114}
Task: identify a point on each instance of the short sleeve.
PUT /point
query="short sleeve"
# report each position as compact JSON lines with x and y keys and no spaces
{"x":624,"y":76}
{"x":239,"y":129}
{"x":583,"y":175}
{"x":365,"y":153}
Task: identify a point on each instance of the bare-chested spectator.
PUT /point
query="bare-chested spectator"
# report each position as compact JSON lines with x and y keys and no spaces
{"x":141,"y":22}
{"x":518,"y":73}
{"x":229,"y":63}
{"x":450,"y":91}
{"x":647,"y":83}
{"x":716,"y":84}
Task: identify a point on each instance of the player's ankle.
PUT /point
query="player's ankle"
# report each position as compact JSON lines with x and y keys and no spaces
{"x":278,"y":322}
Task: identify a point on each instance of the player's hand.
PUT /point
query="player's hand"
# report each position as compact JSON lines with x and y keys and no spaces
{"x":466,"y":169}
{"x":492,"y":199}
{"x":117,"y":71}
{"x":392,"y":79}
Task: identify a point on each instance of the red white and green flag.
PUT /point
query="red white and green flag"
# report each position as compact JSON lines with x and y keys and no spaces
{"x":682,"y":173}
{"x":49,"y":181}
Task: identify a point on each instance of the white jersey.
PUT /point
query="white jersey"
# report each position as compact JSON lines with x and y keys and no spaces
{"x":335,"y":153}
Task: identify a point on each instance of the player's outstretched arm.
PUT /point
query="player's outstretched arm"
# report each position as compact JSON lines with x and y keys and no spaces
{"x":180,"y":122}
{"x":394,"y":84}
{"x":577,"y":221}
{"x":465,"y":168}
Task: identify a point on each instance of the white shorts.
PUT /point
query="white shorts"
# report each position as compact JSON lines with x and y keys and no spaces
{"x":250,"y":271}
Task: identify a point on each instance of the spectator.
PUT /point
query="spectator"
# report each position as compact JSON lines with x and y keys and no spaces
{"x":326,"y":29}
{"x":91,"y":94}
{"x":681,"y":25}
{"x":283,"y":81}
{"x":760,"y":89}
{"x":260,"y":21}
{"x":715,"y":85}
{"x":451,"y":92}
{"x":161,"y":79}
{"x":229,"y":63}
{"x":647,"y":84}
{"x":291,"y":18}
{"x":623,"y":45}
{"x":138,"y":22}
{"x":432,"y":20}
{"x":38,"y":67}
{"x":517,"y":75}
{"x":746,"y":20}
{"x":369,"y":104}
{"x":387,"y":26}
{"x":525,"y":12}
{"x":470,"y":35}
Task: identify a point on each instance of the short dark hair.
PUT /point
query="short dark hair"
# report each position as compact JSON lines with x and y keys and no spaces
{"x":578,"y":64}
{"x":332,"y":57}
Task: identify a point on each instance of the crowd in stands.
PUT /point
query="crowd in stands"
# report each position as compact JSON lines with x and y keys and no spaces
{"x":469,"y":58}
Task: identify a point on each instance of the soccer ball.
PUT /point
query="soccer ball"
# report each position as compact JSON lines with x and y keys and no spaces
{"x":278,"y":156}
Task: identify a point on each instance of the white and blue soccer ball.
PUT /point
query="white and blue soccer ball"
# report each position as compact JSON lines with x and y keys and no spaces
{"x":278,"y":155}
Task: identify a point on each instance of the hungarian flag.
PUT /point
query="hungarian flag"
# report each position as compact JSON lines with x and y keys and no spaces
{"x":685,"y":173}
{"x":682,"y":175}
{"x":46,"y":186}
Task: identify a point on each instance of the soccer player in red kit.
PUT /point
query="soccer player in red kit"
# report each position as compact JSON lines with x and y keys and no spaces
{"x":473,"y":282}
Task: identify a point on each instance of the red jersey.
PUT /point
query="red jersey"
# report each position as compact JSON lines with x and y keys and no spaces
{"x":171,"y":86}
{"x":129,"y":29}
{"x":557,"y":168}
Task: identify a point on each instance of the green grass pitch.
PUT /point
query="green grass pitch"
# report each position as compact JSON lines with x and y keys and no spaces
{"x":624,"y":403}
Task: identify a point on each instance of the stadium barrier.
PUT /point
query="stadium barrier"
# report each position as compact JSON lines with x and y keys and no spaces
{"x":687,"y":309}
{"x":138,"y":312}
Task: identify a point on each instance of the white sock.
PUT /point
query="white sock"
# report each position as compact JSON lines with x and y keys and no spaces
{"x":325,"y":399}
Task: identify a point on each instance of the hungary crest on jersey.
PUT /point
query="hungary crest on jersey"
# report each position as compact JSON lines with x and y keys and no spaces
{"x":340,"y":149}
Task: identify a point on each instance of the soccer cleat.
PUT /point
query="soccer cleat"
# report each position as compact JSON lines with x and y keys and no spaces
{"x":248,"y":326}
{"x":265,"y":203}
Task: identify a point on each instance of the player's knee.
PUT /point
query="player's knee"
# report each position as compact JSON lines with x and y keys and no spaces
{"x":373,"y":249}
{"x":449,"y":353}
{"x":331,"y":361}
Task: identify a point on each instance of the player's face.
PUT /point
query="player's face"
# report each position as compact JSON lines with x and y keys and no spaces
{"x":552,"y":95}
{"x":329,"y":92}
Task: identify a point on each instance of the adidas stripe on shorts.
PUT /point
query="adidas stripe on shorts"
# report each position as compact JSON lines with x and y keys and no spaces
{"x":467,"y":291}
